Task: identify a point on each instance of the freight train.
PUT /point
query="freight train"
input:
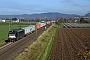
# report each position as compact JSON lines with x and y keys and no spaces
{"x":17,"y":34}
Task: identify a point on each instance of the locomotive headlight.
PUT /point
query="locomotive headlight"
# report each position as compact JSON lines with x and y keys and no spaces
{"x":12,"y":36}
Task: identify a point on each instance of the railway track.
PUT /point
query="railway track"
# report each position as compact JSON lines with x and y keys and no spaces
{"x":11,"y":50}
{"x":5,"y":46}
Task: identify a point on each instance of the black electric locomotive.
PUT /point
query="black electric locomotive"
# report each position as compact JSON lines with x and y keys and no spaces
{"x":16,"y":34}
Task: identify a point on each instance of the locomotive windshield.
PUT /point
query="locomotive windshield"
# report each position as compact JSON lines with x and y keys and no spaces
{"x":11,"y":33}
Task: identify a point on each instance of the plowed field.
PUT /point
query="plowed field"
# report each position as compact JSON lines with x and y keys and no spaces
{"x":71,"y":44}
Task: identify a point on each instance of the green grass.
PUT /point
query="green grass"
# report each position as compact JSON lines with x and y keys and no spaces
{"x":4,"y":28}
{"x":48,"y":47}
{"x":40,"y":49}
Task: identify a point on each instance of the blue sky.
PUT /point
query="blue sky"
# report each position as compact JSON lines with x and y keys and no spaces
{"x":9,"y":7}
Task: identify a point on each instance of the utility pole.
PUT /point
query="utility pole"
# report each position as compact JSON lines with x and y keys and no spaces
{"x":36,"y":33}
{"x":36,"y":30}
{"x":9,"y":26}
{"x":30,"y":22}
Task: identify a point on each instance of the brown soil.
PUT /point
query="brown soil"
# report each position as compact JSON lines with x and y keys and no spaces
{"x":71,"y":44}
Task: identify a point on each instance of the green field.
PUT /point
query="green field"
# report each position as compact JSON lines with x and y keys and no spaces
{"x":5,"y":27}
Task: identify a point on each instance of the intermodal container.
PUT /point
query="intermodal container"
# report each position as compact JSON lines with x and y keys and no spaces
{"x":37,"y":26}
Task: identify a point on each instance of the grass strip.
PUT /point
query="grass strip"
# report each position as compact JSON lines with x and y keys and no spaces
{"x":47,"y":49}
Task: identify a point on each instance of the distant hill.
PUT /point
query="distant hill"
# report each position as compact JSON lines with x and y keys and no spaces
{"x":52,"y":15}
{"x":87,"y":15}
